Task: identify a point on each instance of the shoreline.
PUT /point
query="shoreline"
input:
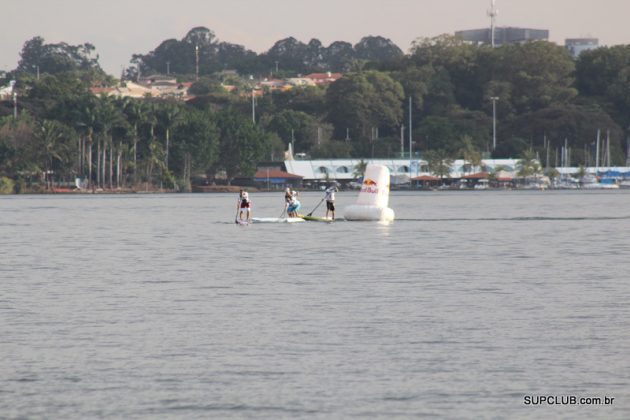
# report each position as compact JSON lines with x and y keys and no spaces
{"x":236,"y":189}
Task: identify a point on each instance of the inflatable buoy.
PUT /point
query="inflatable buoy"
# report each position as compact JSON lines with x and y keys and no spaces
{"x":373,"y":198}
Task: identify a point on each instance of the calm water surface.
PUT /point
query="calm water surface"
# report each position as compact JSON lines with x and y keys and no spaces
{"x":148,"y":306}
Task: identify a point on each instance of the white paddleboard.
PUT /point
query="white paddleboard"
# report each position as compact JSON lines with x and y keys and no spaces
{"x":277,"y":219}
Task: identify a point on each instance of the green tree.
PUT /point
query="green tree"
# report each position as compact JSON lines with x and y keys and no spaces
{"x":603,"y":74}
{"x":196,"y":145}
{"x":241,"y":145}
{"x":86,"y":118}
{"x":539,"y":74}
{"x":56,"y":58}
{"x":470,"y":153}
{"x":362,"y":102}
{"x":169,"y":115}
{"x":6,"y":185}
{"x":377,"y":48}
{"x":136,"y":113}
{"x":109,"y":116}
{"x":53,"y":96}
{"x":332,"y":150}
{"x":359,"y":169}
{"x":439,"y":163}
{"x":308,"y":99}
{"x":296,"y":127}
{"x":577,"y":124}
{"x":455,"y":71}
{"x":50,"y":136}
{"x":19,"y":150}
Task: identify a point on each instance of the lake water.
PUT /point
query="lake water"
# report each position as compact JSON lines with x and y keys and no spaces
{"x":146,"y":306}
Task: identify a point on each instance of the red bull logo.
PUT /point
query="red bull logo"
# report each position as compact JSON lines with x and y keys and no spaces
{"x":369,"y":186}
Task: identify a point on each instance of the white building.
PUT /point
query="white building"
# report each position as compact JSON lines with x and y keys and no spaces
{"x":401,"y":170}
{"x":575,"y":46}
{"x":6,"y":92}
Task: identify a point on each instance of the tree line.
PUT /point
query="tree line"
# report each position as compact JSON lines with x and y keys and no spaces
{"x":545,"y":100}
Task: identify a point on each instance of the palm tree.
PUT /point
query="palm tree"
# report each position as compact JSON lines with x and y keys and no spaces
{"x":169,"y":116}
{"x":528,"y":165}
{"x":107,"y":118}
{"x":49,"y":133}
{"x":154,"y":151}
{"x":581,"y":172}
{"x":136,"y":116}
{"x":472,"y":156}
{"x":88,"y":121}
{"x":359,"y":169}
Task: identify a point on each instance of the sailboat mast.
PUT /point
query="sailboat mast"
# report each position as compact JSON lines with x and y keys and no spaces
{"x":597,"y":154}
{"x":608,"y":148}
{"x":410,"y":131}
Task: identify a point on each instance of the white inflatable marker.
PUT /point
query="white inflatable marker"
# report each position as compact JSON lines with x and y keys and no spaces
{"x":373,"y":198}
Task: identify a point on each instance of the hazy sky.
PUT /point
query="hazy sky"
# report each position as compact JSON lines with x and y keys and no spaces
{"x":120,"y":28}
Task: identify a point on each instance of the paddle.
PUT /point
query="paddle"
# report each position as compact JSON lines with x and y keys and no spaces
{"x":311,"y":213}
{"x":236,"y":216}
{"x":282,"y":214}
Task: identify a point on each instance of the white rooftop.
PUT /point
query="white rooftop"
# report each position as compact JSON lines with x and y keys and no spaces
{"x":344,"y":169}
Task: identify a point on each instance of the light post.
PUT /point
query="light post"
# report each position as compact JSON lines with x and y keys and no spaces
{"x":196,"y":62}
{"x":14,"y":95}
{"x":410,"y":138}
{"x":410,"y":133}
{"x":402,"y":141}
{"x":253,"y":107}
{"x":494,"y":100}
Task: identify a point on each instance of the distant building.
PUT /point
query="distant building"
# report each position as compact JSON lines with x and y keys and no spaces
{"x":401,"y":170}
{"x":126,"y":90}
{"x":575,"y":46}
{"x":6,"y":92}
{"x":274,"y":84}
{"x":157,"y":80}
{"x":156,"y":86}
{"x":503,"y":35}
{"x":166,"y":86}
{"x":323,"y":78}
{"x":300,"y":81}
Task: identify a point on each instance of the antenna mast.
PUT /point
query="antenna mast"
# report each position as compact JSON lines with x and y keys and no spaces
{"x":492,"y":13}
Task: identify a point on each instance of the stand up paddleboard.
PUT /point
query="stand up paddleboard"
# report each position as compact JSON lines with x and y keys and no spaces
{"x":317,"y":219}
{"x":277,"y":219}
{"x":373,"y":197}
{"x":241,"y":222}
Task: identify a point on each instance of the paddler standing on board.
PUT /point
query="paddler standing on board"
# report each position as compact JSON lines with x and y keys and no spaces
{"x":329,"y":196}
{"x":293,"y":204}
{"x":287,"y":198}
{"x":244,"y":205}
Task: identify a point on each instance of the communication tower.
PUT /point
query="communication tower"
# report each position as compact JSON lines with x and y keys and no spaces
{"x":492,"y":13}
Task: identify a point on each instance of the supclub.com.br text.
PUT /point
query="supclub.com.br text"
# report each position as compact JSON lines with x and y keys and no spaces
{"x":566,"y":400}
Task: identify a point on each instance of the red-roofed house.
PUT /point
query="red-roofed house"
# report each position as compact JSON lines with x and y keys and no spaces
{"x":270,"y":177}
{"x":276,"y":177}
{"x":426,"y":180}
